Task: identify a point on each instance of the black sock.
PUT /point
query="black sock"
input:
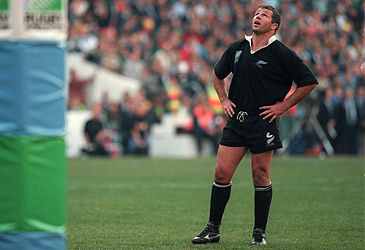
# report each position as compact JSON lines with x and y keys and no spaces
{"x":263,"y":197}
{"x":218,"y":201}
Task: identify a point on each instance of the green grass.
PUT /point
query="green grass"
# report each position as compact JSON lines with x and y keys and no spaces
{"x":142,"y":203}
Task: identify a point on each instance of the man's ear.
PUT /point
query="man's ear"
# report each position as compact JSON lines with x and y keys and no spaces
{"x":274,"y":26}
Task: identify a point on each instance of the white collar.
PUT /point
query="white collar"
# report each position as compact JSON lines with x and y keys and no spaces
{"x":249,"y":39}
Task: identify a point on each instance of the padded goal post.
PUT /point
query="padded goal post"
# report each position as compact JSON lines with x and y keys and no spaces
{"x":33,"y":94}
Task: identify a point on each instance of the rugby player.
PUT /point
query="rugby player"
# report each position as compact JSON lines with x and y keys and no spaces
{"x":263,"y":72}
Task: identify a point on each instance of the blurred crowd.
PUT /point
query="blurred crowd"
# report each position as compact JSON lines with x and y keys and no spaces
{"x":171,"y":46}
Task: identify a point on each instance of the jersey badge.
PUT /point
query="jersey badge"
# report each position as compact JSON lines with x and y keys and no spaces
{"x":237,"y":56}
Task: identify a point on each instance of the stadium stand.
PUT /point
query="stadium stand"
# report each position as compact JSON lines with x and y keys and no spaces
{"x":171,"y":46}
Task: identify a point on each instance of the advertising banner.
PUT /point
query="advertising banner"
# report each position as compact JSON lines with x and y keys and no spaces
{"x":33,"y":19}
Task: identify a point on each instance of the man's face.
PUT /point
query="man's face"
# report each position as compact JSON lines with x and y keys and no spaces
{"x":261,"y":22}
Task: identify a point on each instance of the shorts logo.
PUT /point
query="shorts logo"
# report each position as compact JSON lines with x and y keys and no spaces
{"x":270,"y":138}
{"x":241,"y":116}
{"x":260,"y":63}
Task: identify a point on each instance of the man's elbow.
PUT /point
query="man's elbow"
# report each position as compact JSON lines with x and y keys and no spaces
{"x":214,"y":75}
{"x":313,"y":86}
{"x":310,"y":87}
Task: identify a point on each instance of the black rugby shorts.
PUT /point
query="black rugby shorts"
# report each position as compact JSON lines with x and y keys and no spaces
{"x":253,"y":132}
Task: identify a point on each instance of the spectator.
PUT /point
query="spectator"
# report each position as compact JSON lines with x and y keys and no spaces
{"x":77,"y":89}
{"x":352,"y":118}
{"x":206,"y":125}
{"x":136,"y":118}
{"x":112,"y":116}
{"x":82,"y":39}
{"x":174,"y":93}
{"x":133,"y":64}
{"x":74,"y":103}
{"x":101,"y":12}
{"x":360,"y":102}
{"x":78,"y":9}
{"x":144,"y":118}
{"x":326,"y":115}
{"x":126,"y":120}
{"x":346,"y":124}
{"x":94,"y":134}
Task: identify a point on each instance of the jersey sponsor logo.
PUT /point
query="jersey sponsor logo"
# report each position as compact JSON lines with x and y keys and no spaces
{"x":237,"y":56}
{"x":260,"y":63}
{"x":270,"y":138}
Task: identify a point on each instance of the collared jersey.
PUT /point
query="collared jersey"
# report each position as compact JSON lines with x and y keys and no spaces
{"x":261,"y":77}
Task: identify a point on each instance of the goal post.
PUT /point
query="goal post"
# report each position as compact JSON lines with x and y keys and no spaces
{"x":33,"y":91}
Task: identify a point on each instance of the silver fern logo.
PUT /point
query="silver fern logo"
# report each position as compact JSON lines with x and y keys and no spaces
{"x":260,"y":63}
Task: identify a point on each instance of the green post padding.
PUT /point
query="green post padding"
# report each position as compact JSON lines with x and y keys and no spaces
{"x":32,"y":184}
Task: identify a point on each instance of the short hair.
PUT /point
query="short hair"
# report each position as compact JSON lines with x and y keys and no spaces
{"x":275,"y":14}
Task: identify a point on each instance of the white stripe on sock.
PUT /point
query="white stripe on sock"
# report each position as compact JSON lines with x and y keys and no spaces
{"x":264,"y":188}
{"x":222,"y":186}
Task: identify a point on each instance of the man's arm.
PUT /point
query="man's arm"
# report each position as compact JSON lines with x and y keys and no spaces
{"x":220,"y":87}
{"x":280,"y":108}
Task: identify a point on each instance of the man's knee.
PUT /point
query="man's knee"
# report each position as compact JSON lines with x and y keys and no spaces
{"x":221,"y":174}
{"x":260,"y":175}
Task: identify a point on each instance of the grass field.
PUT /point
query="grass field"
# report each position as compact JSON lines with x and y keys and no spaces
{"x":142,"y":203}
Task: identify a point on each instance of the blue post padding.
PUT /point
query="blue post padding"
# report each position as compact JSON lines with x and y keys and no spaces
{"x":33,"y":241}
{"x":32,"y":88}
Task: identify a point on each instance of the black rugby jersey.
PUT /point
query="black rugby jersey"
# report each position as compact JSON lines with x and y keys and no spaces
{"x":262,"y":78}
